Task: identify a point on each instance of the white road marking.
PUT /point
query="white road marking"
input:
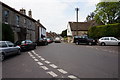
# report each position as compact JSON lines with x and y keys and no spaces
{"x":30,"y":54}
{"x":39,"y":56}
{"x":36,"y":59}
{"x":62,"y":71}
{"x":72,"y":77}
{"x":40,"y":63}
{"x":44,"y":67}
{"x":47,"y":62}
{"x":33,"y":52}
{"x":42,"y":59}
{"x":36,"y":54}
{"x":52,"y":74}
{"x":52,"y":65}
{"x":33,"y":57}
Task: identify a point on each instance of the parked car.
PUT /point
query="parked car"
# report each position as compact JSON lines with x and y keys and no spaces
{"x":49,"y":40}
{"x":26,"y":45}
{"x":84,"y":40}
{"x":8,"y":48}
{"x":108,"y":41}
{"x":42,"y":42}
{"x":57,"y":40}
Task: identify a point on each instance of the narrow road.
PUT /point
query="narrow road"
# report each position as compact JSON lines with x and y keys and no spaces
{"x":61,"y":60}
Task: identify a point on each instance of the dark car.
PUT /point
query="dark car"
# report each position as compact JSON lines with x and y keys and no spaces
{"x":42,"y":42}
{"x":8,"y":48}
{"x":26,"y":45}
{"x":84,"y":40}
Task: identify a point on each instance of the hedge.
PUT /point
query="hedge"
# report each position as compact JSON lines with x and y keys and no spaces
{"x":112,"y":30}
{"x":7,"y":33}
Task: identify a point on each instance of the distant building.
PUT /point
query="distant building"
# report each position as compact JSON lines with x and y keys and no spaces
{"x":78,"y":28}
{"x":52,"y":35}
{"x":23,"y":26}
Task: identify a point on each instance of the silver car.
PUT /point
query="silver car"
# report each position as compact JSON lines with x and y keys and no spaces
{"x":8,"y":48}
{"x":108,"y":41}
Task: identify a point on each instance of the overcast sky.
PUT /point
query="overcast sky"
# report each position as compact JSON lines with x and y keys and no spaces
{"x":55,"y":14}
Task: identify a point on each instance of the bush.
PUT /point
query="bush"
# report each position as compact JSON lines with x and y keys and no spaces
{"x":7,"y":33}
{"x":105,"y":31}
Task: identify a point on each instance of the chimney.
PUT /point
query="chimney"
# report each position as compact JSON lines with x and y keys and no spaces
{"x":30,"y":13}
{"x":38,"y":21}
{"x":23,"y":11}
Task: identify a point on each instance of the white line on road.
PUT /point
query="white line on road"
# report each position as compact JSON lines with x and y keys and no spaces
{"x":44,"y":67}
{"x":39,"y":56}
{"x":72,"y":77}
{"x":52,"y":65}
{"x":40,"y":63}
{"x":36,"y":59}
{"x":47,"y":62}
{"x":42,"y":59}
{"x":33,"y":52}
{"x":52,"y":74}
{"x":33,"y":57}
{"x":62,"y":71}
{"x":30,"y":54}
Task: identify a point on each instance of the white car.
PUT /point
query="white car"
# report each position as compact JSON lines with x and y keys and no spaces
{"x":108,"y":41}
{"x":57,"y":40}
{"x":8,"y":48}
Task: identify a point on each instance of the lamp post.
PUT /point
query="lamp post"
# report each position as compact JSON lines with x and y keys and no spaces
{"x":77,"y":9}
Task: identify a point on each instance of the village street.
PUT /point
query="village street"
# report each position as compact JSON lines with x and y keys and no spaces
{"x":62,"y":60}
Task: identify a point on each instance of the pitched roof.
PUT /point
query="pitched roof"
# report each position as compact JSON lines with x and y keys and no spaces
{"x":82,"y":26}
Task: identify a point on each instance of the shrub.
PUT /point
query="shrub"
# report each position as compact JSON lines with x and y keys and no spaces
{"x":7,"y":33}
{"x":105,"y":31}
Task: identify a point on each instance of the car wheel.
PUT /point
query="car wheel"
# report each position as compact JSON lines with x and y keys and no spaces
{"x":2,"y":57}
{"x":90,"y":43}
{"x":103,"y":44}
{"x":77,"y":43}
{"x":19,"y":52}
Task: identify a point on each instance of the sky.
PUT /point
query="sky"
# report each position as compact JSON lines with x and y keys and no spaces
{"x":55,"y":14}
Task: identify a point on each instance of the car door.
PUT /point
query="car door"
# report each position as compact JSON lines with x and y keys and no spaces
{"x":107,"y":41}
{"x":5,"y":48}
{"x":12,"y":48}
{"x":113,"y":41}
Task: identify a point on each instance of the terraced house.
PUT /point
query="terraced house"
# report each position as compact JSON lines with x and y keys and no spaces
{"x":23,"y":26}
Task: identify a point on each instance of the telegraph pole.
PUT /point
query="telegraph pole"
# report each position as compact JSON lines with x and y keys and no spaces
{"x":77,"y":9}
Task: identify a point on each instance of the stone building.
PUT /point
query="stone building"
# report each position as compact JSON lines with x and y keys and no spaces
{"x":78,"y":28}
{"x":23,"y":26}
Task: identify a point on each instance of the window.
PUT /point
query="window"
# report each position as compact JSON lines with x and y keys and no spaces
{"x":10,"y":44}
{"x":17,"y":20}
{"x":6,"y":14}
{"x":24,"y":21}
{"x":113,"y":39}
{"x":3,"y":44}
{"x":106,"y":38}
{"x":28,"y":41}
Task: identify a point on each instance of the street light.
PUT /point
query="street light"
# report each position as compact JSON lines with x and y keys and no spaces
{"x":77,"y":9}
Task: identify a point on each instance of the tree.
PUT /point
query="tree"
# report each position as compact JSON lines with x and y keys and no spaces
{"x":64,"y":33}
{"x":107,"y":12}
{"x":90,"y":17}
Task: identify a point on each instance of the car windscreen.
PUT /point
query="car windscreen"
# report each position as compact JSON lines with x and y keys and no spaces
{"x":3,"y":44}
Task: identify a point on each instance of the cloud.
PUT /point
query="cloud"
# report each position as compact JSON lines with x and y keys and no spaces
{"x":53,"y":14}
